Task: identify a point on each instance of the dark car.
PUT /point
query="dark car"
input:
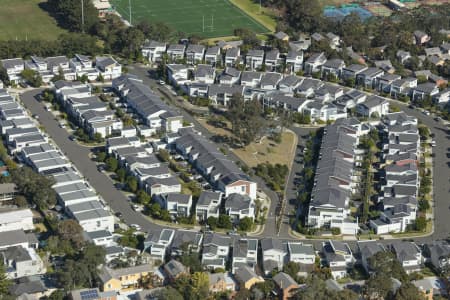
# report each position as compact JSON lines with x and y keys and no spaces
{"x":119,"y":214}
{"x":72,"y":138}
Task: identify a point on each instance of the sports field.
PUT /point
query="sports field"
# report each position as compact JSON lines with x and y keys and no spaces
{"x":24,"y":19}
{"x":206,"y":18}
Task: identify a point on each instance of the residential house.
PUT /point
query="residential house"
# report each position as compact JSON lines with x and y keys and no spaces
{"x":205,"y":74}
{"x":352,"y":71}
{"x":221,"y":94}
{"x":158,"y":242}
{"x":125,"y":279}
{"x":220,"y":282}
{"x":177,"y":74}
{"x":280,"y":35}
{"x":158,"y":186}
{"x":109,"y":68}
{"x":212,"y":56}
{"x":385,"y":82}
{"x":332,"y":68}
{"x":272,"y":60}
{"x":368,"y":249}
{"x":175,"y":52}
{"x":274,"y":254}
{"x":254,"y":59}
{"x":409,"y":255}
{"x":289,"y":84}
{"x":278,"y":100}
{"x":385,"y":65}
{"x":8,"y":191}
{"x":286,"y":286}
{"x":251,"y":79}
{"x":92,"y":294}
{"x":368,"y":78}
{"x":301,"y":253}
{"x":294,"y":61}
{"x":13,"y":67}
{"x":324,"y":112}
{"x":20,"y":262}
{"x":437,"y":253}
{"x":153,"y":50}
{"x":230,"y":76}
{"x":208,"y":205}
{"x":178,"y":205}
{"x":245,"y":253}
{"x":239,"y":206}
{"x":185,"y":242}
{"x":403,"y":56}
{"x":308,"y":87}
{"x":18,"y":238}
{"x":315,"y":62}
{"x":374,"y":105}
{"x":270,"y":80}
{"x":174,"y":269}
{"x":15,"y":219}
{"x":247,"y":277}
{"x":402,"y":87}
{"x":424,"y":90}
{"x":338,"y":257}
{"x":232,"y":57}
{"x":216,"y":249}
{"x":195,"y":54}
{"x":421,"y":37}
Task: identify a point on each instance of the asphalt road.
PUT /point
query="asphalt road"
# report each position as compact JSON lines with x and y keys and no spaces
{"x":79,"y":156}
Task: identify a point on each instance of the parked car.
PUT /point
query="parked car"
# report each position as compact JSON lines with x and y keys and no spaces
{"x":162,"y":82}
{"x":119,"y":214}
{"x":136,"y":227}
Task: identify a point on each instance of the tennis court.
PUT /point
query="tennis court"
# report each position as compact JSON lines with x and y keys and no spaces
{"x":206,"y":18}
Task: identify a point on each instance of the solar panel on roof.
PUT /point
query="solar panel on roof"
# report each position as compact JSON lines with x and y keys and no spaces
{"x":89,"y":295}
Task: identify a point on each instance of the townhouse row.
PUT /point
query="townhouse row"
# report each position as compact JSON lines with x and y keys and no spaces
{"x":320,"y":100}
{"x":105,"y":67}
{"x":400,"y":174}
{"x":86,"y":110}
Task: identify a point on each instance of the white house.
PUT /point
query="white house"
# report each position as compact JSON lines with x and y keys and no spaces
{"x":178,"y":205}
{"x":301,"y":253}
{"x":153,"y":50}
{"x":108,"y":67}
{"x":13,"y":67}
{"x":239,"y":206}
{"x":374,"y":105}
{"x":208,"y":205}
{"x":16,"y":219}
{"x":274,"y":254}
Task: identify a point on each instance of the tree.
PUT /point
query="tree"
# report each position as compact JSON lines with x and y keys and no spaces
{"x":143,"y":197}
{"x":5,"y":283}
{"x":36,"y":187}
{"x":20,"y":201}
{"x":408,"y":291}
{"x":304,"y":15}
{"x":68,"y":13}
{"x":265,"y":287}
{"x":212,"y":222}
{"x":32,"y":77}
{"x":112,"y":164}
{"x":200,"y":284}
{"x":121,"y":174}
{"x":70,"y":230}
{"x":192,"y":261}
{"x":98,"y":138}
{"x":245,"y":224}
{"x":421,"y":223}
{"x":291,"y":268}
{"x":101,"y":156}
{"x":224,"y":222}
{"x":132,"y":184}
{"x":171,"y":293}
{"x":155,"y":210}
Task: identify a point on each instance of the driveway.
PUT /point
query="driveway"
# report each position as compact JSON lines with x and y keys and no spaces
{"x":79,"y":156}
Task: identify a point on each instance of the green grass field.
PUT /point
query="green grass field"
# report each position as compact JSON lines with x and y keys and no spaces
{"x":24,"y":19}
{"x":206,"y":18}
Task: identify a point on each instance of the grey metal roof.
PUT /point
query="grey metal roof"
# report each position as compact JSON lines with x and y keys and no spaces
{"x":284,"y":280}
{"x":206,"y":197}
{"x":91,"y":214}
{"x":179,"y":198}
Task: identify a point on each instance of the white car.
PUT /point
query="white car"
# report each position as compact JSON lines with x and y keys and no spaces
{"x":162,"y":82}
{"x":136,"y":227}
